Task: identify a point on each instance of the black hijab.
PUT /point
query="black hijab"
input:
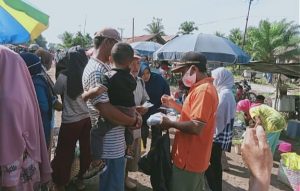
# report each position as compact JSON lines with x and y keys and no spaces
{"x":76,"y":62}
{"x":33,"y":63}
{"x":60,"y":60}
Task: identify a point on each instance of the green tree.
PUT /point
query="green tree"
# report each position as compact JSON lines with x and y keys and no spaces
{"x":236,"y":36}
{"x":270,"y":41}
{"x":187,"y":27}
{"x":67,"y":39}
{"x":88,"y":40}
{"x":155,"y":27}
{"x":220,"y":34}
{"x":78,"y":39}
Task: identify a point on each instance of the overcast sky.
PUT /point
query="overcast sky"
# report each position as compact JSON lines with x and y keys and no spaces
{"x":209,"y":15}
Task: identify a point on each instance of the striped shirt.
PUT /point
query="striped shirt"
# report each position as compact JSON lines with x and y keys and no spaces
{"x":114,"y":140}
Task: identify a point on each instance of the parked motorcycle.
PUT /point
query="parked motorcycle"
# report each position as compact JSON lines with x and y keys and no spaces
{"x":243,"y":91}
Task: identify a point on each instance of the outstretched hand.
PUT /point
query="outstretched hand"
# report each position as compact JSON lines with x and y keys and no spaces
{"x":167,"y":100}
{"x":166,"y":123}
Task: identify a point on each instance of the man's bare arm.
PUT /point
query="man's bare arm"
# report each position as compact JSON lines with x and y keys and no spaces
{"x":114,"y":115}
{"x":193,"y":127}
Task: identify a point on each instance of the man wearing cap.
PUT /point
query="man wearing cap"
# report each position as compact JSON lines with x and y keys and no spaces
{"x":33,"y":47}
{"x":114,"y":141}
{"x":193,"y":140}
{"x":140,"y":97}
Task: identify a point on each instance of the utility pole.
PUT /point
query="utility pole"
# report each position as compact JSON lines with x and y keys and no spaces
{"x":247,"y":18}
{"x":84,"y":26}
{"x":132,"y":29}
{"x":121,"y":31}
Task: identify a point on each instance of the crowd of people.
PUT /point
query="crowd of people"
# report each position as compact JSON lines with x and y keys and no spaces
{"x":103,"y":98}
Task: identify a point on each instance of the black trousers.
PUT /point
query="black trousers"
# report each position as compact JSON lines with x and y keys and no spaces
{"x":214,"y":171}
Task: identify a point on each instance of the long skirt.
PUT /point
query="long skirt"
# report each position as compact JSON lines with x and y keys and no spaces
{"x":24,"y":174}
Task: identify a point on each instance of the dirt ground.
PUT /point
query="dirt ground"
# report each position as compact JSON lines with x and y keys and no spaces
{"x":236,"y":179}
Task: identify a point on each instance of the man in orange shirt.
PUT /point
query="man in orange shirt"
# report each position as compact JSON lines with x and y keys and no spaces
{"x":193,"y":140}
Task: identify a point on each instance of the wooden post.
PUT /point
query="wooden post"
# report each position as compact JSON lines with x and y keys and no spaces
{"x":277,"y":91}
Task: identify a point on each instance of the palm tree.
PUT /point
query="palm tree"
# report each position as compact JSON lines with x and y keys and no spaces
{"x":67,"y":39}
{"x":187,"y":27}
{"x":271,"y":41}
{"x":236,"y":36}
{"x":220,"y":34}
{"x":155,"y":27}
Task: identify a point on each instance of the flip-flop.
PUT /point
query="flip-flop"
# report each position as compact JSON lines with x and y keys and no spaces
{"x":94,"y":171}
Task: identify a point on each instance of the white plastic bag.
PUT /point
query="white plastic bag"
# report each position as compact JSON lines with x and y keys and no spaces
{"x":155,"y":119}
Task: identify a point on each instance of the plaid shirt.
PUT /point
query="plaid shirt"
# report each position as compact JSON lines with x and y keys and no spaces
{"x":225,"y":137}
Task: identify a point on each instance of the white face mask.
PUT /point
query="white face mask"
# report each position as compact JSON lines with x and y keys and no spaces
{"x":188,"y":79}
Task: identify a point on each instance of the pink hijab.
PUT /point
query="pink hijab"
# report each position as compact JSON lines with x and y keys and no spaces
{"x":243,"y":105}
{"x":21,"y":125}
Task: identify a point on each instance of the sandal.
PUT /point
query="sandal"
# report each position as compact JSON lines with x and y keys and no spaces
{"x":95,"y":170}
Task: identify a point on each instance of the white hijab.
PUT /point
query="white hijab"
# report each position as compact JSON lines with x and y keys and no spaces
{"x":224,"y":81}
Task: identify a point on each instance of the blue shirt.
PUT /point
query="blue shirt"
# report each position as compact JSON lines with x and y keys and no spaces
{"x":45,"y":103}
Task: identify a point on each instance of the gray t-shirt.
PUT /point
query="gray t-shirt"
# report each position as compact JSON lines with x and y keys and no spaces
{"x":114,"y":140}
{"x":73,"y":110}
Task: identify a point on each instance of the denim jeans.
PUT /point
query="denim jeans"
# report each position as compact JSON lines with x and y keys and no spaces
{"x":113,"y":178}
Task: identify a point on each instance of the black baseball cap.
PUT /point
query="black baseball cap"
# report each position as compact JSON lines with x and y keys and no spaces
{"x":189,"y":59}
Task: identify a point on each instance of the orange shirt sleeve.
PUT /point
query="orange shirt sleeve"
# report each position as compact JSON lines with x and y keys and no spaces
{"x":201,"y":105}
